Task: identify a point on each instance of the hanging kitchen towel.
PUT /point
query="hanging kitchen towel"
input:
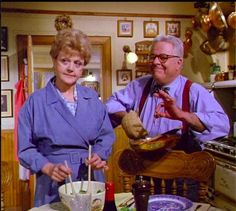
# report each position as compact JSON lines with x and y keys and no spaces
{"x":20,"y":98}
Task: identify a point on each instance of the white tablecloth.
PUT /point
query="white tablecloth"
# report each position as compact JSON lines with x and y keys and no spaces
{"x":119,"y":198}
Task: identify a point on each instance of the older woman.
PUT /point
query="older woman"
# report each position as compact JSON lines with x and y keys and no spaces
{"x":58,"y":122}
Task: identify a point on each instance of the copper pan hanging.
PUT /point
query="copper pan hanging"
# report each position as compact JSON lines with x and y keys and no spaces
{"x":232,"y":20}
{"x":207,"y":48}
{"x":217,"y":17}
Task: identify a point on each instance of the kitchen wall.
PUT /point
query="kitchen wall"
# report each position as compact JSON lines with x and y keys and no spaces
{"x":100,"y":19}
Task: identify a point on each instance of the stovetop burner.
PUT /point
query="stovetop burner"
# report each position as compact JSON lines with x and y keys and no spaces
{"x":228,"y":142}
{"x":224,"y":146}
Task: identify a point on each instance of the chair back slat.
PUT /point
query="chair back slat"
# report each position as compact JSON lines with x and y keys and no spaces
{"x":174,"y":165}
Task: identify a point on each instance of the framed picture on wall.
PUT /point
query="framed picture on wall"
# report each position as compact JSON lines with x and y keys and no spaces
{"x":173,"y":28}
{"x":4,"y":68}
{"x":150,"y":29}
{"x":6,"y":103}
{"x":140,"y":73}
{"x":92,"y":84}
{"x":4,"y":39}
{"x":125,"y":28}
{"x":123,"y":76}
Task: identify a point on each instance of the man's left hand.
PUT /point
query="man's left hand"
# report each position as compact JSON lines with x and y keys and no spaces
{"x":167,"y":108}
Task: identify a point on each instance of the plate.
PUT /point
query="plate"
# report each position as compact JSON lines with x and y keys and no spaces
{"x":165,"y":202}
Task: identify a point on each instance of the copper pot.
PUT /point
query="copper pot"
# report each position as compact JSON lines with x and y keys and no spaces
{"x":217,"y":17}
{"x":207,"y":48}
{"x":232,"y":20}
{"x":205,"y":22}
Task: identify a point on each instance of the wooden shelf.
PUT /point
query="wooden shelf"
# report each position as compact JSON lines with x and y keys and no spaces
{"x":142,"y":49}
{"x":220,"y":84}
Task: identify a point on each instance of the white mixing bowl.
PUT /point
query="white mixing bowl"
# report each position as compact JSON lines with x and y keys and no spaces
{"x":97,"y":189}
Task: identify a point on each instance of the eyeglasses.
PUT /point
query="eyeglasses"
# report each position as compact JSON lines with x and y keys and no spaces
{"x":162,"y":57}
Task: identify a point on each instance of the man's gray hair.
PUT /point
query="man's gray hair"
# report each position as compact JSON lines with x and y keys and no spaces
{"x":175,"y":41}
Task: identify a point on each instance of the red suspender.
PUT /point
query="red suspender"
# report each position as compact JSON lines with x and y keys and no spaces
{"x":144,"y":95}
{"x":185,"y":102}
{"x":185,"y":99}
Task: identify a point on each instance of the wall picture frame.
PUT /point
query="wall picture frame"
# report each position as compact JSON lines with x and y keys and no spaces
{"x":140,"y":73}
{"x":173,"y":28}
{"x":92,"y":84}
{"x":4,"y":38}
{"x":6,"y":103}
{"x":4,"y":68}
{"x":150,"y":29}
{"x":123,"y":76}
{"x":125,"y":28}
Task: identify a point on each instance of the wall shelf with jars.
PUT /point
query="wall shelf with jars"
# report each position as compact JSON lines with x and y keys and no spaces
{"x":142,"y":50}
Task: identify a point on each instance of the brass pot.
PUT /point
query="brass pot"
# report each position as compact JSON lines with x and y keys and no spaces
{"x":217,"y":17}
{"x":232,"y":20}
{"x":207,"y":48}
{"x":219,"y":43}
{"x":205,"y":22}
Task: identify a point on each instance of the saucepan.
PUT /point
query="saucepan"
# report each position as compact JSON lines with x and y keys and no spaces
{"x":217,"y":17}
{"x":161,"y":141}
{"x":207,"y":48}
{"x":232,"y":20}
{"x":205,"y":22}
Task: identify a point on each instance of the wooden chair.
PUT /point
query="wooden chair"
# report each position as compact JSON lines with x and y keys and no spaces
{"x":198,"y":166}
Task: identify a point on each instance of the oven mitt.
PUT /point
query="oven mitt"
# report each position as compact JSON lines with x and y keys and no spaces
{"x":133,"y":126}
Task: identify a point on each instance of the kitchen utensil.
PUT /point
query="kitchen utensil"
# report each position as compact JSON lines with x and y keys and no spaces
{"x":158,"y":142}
{"x":89,"y":169}
{"x":127,"y":202}
{"x":207,"y":48}
{"x":70,"y":179}
{"x":217,"y":17}
{"x":205,"y":22}
{"x":231,"y":20}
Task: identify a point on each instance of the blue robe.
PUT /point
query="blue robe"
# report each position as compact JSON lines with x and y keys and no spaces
{"x":48,"y":132}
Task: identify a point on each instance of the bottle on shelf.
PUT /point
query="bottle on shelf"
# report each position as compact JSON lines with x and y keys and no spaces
{"x":109,"y":204}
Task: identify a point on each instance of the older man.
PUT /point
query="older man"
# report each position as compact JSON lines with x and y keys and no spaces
{"x":167,"y":100}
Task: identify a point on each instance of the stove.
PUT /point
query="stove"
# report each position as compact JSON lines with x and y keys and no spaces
{"x":224,"y":180}
{"x":225,"y":147}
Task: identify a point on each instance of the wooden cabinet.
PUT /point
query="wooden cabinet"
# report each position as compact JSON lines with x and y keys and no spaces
{"x":142,"y":49}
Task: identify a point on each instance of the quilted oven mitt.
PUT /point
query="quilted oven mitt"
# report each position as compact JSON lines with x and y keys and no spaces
{"x":133,"y":126}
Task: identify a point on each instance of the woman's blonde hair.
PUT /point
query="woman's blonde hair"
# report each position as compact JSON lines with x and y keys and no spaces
{"x":71,"y":39}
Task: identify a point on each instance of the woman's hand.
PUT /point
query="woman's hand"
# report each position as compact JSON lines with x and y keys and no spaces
{"x":96,"y":162}
{"x":57,"y":172}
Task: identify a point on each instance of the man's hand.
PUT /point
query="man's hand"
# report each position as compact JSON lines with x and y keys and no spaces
{"x":168,"y":108}
{"x":133,"y":126}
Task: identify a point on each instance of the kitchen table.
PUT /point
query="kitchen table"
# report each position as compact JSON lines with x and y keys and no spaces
{"x":120,"y":198}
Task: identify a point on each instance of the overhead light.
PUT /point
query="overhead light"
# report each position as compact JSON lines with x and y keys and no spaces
{"x":129,"y":56}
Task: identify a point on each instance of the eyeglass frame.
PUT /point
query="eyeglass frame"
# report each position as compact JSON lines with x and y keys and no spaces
{"x":160,"y":60}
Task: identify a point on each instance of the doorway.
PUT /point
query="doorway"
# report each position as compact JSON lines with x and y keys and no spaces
{"x":100,"y":44}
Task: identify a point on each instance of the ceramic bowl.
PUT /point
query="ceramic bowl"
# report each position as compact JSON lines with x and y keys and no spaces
{"x":97,"y":198}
